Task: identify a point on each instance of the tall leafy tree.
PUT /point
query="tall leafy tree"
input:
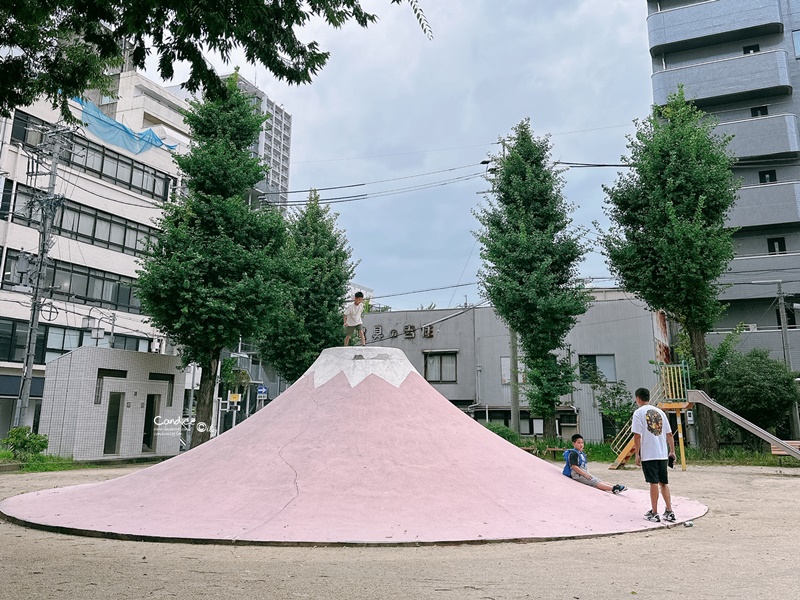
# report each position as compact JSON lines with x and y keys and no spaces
{"x":530,"y":264}
{"x":668,"y":243}
{"x":215,"y":269}
{"x":312,"y":320}
{"x":61,"y":48}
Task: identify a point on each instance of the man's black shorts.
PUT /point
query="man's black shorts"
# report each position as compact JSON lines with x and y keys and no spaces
{"x":655,"y":471}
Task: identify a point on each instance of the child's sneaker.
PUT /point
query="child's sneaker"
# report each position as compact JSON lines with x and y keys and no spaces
{"x":618,"y":488}
{"x":669,"y":516}
{"x":651,"y":516}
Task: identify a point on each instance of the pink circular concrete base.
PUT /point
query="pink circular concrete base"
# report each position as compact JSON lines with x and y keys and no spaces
{"x":360,"y":450}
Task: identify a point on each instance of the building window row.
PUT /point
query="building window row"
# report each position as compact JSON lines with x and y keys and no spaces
{"x":77,"y":284}
{"x":79,"y":222}
{"x":52,"y":341}
{"x":97,"y":160}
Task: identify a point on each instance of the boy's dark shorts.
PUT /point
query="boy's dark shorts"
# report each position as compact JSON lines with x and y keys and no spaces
{"x":655,"y":471}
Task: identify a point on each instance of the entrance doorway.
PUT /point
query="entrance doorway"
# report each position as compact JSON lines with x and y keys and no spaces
{"x":150,"y":412}
{"x":114,"y":423}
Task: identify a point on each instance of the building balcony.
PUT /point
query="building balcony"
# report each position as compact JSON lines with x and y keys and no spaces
{"x":710,"y":23}
{"x":765,"y":271}
{"x":774,"y":136}
{"x":740,"y":78}
{"x":766,"y":204}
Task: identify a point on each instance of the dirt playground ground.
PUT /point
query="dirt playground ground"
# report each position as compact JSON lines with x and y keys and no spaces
{"x":747,"y":546}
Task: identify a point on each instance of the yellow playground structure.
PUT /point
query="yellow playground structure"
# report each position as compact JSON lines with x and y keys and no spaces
{"x":672,"y":393}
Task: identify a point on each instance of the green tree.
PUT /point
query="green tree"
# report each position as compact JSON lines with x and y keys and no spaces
{"x":312,"y":319}
{"x":668,"y":243}
{"x":530,"y":264}
{"x":64,"y":47}
{"x":753,"y":385}
{"x":611,"y":398}
{"x":215,"y":270}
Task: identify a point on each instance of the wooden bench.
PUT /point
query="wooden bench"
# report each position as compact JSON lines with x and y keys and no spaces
{"x":778,"y":451}
{"x":557,"y":453}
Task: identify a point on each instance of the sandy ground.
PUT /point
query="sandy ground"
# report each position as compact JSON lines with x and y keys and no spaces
{"x":747,"y":546}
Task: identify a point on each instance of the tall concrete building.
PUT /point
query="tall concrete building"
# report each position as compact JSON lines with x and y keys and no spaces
{"x":274,"y":144}
{"x":738,"y":60}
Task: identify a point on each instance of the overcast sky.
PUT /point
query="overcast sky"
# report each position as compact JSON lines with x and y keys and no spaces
{"x":392,"y":104}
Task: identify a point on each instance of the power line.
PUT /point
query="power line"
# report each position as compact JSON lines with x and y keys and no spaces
{"x":385,"y":193}
{"x":352,"y":185}
{"x":436,"y":289}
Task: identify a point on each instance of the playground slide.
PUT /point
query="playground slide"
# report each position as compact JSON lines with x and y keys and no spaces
{"x":700,"y":397}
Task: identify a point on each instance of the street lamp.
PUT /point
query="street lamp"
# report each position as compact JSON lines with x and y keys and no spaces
{"x":98,"y":332}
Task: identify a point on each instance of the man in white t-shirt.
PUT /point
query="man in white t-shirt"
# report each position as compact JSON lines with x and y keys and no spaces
{"x":352,"y":319}
{"x":652,"y":436}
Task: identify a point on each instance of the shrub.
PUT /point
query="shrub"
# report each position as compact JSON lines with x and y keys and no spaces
{"x":504,"y":432}
{"x":23,"y":443}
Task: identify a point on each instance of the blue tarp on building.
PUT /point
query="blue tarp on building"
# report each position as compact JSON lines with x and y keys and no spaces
{"x":114,"y":132}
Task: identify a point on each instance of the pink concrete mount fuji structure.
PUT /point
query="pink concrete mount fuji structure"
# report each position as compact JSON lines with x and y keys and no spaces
{"x":360,"y":450}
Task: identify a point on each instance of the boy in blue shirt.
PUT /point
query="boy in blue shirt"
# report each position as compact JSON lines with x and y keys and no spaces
{"x":575,"y":468}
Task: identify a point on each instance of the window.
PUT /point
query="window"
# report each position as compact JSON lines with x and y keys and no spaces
{"x":776,"y":245}
{"x":769,"y":176}
{"x":79,"y":284}
{"x":440,"y":367}
{"x":796,"y":38}
{"x":590,"y":364}
{"x":97,"y":160}
{"x":752,"y":49}
{"x":759,"y":111}
{"x":86,"y":224}
{"x":52,"y":341}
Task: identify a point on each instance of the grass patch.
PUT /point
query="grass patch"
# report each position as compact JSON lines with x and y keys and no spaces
{"x":728,"y":455}
{"x":6,"y":456}
{"x":47,"y":462}
{"x":731,"y":455}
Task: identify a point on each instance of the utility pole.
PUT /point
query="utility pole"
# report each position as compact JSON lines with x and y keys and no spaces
{"x":48,"y":205}
{"x":787,"y":356}
{"x":787,"y":353}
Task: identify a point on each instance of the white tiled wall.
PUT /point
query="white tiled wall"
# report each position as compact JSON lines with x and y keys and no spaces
{"x":76,"y":426}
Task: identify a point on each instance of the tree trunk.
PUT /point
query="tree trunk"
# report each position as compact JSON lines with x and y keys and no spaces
{"x":204,"y":413}
{"x":514,"y":381}
{"x":706,"y":421}
{"x":549,"y":428}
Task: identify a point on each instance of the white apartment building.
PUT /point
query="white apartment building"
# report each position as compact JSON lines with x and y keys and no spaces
{"x":113,"y":174}
{"x":112,"y":182}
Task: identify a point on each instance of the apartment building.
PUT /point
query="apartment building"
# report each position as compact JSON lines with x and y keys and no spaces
{"x":112,"y":178}
{"x":113,"y":173}
{"x":738,"y":60}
